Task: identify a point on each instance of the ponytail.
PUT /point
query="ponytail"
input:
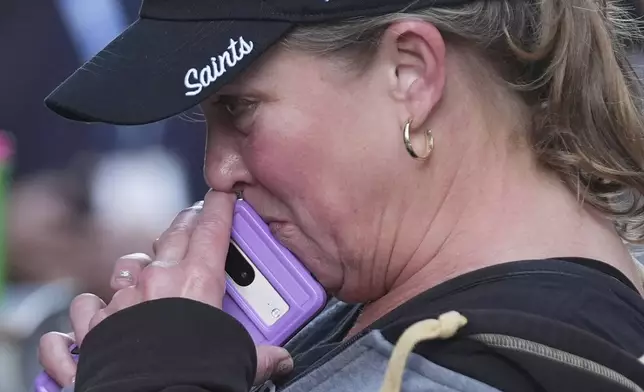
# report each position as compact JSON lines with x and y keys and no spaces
{"x":590,"y":126}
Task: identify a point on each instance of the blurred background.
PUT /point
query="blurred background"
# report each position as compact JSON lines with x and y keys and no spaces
{"x":75,"y":197}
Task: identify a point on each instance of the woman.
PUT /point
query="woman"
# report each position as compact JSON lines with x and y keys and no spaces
{"x":419,"y":157}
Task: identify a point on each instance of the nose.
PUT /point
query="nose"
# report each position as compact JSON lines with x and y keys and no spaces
{"x":224,"y":168}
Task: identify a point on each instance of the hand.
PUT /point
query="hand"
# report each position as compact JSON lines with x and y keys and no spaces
{"x":191,"y":257}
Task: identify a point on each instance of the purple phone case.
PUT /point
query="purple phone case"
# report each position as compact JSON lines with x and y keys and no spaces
{"x":303,"y":294}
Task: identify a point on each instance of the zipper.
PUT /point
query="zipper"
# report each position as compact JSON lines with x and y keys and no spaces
{"x":553,"y":354}
{"x":325,"y":358}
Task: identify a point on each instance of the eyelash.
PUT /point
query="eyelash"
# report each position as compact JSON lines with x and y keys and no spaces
{"x":225,"y":103}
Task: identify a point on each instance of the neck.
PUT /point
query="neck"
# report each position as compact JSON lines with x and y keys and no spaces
{"x":515,"y":213}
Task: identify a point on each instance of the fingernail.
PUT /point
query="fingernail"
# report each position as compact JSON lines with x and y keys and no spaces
{"x":285,"y":366}
{"x":124,"y":276}
{"x":198,"y":204}
{"x":136,"y":256}
{"x":74,"y":380}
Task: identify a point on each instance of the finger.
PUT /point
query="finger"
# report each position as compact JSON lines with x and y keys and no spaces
{"x":173,"y":243}
{"x":127,"y":270}
{"x":209,"y":242}
{"x":55,"y":358}
{"x":98,"y":318}
{"x":161,"y":280}
{"x":81,"y":311}
{"x":123,"y":299}
{"x":272,"y":361}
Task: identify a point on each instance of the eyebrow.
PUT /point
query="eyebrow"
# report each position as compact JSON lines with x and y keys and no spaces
{"x":237,"y":89}
{"x":230,"y":88}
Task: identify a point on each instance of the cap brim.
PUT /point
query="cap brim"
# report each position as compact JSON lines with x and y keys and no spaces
{"x":140,"y":77}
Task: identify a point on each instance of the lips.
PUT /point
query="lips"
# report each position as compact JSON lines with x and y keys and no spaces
{"x":276,"y":226}
{"x":267,"y":217}
{"x":273,"y":223}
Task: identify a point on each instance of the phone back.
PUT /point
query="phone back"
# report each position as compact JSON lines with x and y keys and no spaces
{"x":282,"y":297}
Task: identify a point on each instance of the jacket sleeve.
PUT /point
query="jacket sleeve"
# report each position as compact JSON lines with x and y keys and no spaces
{"x":167,"y":345}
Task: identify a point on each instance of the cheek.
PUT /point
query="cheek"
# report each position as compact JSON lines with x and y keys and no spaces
{"x":292,"y":156}
{"x":298,"y":155}
{"x":291,"y":167}
{"x":331,"y":171}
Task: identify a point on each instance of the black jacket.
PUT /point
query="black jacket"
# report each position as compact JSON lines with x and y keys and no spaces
{"x":575,"y":308}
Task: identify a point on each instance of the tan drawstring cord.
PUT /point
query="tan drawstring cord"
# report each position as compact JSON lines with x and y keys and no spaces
{"x":445,"y":327}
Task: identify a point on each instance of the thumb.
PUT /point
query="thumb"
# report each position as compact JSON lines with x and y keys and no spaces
{"x":272,"y":361}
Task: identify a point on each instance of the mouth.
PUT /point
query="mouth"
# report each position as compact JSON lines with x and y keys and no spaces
{"x":272,"y":221}
{"x":276,"y":226}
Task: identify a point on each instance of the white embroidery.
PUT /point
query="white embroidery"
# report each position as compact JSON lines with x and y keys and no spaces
{"x":196,"y":80}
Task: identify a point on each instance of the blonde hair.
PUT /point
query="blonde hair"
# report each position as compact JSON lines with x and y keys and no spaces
{"x":568,"y":60}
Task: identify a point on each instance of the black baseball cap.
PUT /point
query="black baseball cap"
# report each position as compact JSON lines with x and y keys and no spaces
{"x":179,"y":52}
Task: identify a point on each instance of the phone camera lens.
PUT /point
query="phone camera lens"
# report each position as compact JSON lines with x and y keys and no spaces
{"x":238,"y":268}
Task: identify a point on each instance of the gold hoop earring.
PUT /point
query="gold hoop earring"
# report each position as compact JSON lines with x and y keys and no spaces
{"x":429,"y":142}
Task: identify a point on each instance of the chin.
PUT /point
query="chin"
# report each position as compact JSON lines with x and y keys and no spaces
{"x":303,"y":249}
{"x":320,"y":271}
{"x":352,"y":297}
{"x":332,"y":285}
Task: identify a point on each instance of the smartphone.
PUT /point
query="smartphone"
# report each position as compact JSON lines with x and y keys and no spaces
{"x":268,"y":290}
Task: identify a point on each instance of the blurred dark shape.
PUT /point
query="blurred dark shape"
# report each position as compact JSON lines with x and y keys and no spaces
{"x":35,"y":55}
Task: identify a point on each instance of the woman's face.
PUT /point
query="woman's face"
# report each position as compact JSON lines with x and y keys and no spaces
{"x":317,"y":151}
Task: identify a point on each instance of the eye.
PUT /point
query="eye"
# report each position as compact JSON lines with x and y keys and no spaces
{"x":236,"y":107}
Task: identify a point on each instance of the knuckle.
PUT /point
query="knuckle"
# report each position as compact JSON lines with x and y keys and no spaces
{"x":98,"y":318}
{"x":48,"y":341}
{"x":179,"y":228}
{"x":82,"y":302}
{"x":177,"y":233}
{"x":157,"y":273}
{"x":185,"y":218}
{"x":122,"y":296}
{"x":195,"y":209}
{"x":214,"y":224}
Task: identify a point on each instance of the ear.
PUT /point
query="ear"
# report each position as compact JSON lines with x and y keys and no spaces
{"x":415,"y":52}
